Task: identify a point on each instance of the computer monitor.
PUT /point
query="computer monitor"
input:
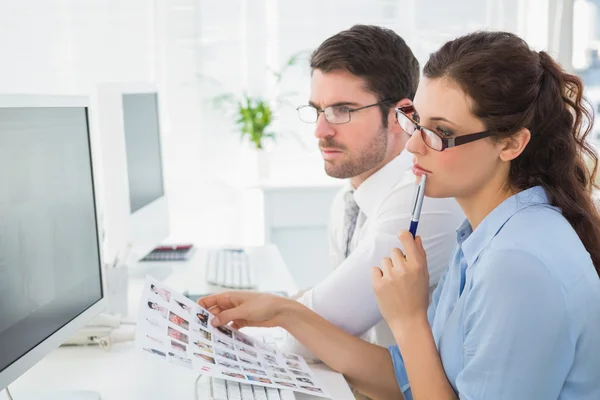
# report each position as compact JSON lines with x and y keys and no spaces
{"x":136,"y":217}
{"x":50,"y":259}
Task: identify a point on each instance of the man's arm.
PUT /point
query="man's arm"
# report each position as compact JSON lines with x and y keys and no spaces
{"x":346,"y":297}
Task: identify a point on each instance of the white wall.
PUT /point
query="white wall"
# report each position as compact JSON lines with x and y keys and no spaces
{"x":196,"y":49}
{"x":68,"y":46}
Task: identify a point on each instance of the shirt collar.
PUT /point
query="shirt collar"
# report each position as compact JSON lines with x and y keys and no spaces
{"x":473,"y":242}
{"x":376,"y":188}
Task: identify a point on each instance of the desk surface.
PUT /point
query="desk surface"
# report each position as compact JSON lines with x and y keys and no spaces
{"x":123,"y":373}
{"x":273,"y":274}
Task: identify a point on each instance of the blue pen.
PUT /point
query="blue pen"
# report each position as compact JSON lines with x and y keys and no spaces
{"x":417,"y":204}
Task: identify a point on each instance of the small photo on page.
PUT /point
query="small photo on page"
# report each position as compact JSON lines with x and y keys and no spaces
{"x":234,"y":375}
{"x":180,"y":360}
{"x":175,"y":334}
{"x":248,"y":361}
{"x":305,"y":380}
{"x":155,"y":352}
{"x":290,"y":356}
{"x":227,"y":355}
{"x":162,"y":293}
{"x":155,"y":340}
{"x":288,"y":384}
{"x":270,"y":359}
{"x":255,"y":371}
{"x":293,"y":364}
{"x":205,"y":358}
{"x":179,"y":321}
{"x":312,"y":389}
{"x":178,"y":346}
{"x":278,"y":369}
{"x":204,"y":334}
{"x":265,"y":348}
{"x":299,"y":373}
{"x":224,"y":343}
{"x":225,"y":331}
{"x":202,"y":318}
{"x":282,"y":376}
{"x":228,"y":364}
{"x":204,"y":346}
{"x":183,"y":307}
{"x":244,"y":349}
{"x":244,"y":339}
{"x":259,"y":379}
{"x":160,"y":310}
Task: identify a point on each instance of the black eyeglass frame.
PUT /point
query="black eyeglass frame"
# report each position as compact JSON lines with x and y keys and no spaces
{"x":349,"y":110}
{"x":446,"y":142}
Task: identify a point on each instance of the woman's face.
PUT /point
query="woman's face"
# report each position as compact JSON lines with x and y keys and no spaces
{"x":459,"y":171}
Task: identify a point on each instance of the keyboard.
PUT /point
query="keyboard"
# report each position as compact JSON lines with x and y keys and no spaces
{"x":170,"y":253}
{"x":220,"y":389}
{"x":230,"y":268}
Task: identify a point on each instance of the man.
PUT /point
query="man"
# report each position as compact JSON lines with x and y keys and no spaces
{"x":359,"y":77}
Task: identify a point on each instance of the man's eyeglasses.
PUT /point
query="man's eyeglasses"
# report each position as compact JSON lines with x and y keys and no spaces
{"x":432,"y":138}
{"x":333,"y":114}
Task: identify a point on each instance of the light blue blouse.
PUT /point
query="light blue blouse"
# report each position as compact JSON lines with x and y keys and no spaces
{"x":517,"y":313}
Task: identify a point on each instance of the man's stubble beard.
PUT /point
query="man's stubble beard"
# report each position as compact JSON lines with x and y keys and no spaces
{"x":367,"y":159}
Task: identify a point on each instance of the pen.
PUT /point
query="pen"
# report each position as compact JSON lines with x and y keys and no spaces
{"x":417,"y":204}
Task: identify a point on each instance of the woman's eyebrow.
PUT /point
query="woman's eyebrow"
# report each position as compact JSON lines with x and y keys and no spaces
{"x":434,"y":118}
{"x":442,"y":119}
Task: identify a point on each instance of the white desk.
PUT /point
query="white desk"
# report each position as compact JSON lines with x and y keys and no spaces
{"x":271,"y":270}
{"x":124,"y":373}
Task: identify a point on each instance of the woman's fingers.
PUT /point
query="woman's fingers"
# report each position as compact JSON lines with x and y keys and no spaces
{"x":376,"y":274}
{"x":408,"y":244}
{"x":386,"y":267}
{"x":419,"y":243}
{"x":398,"y":257}
{"x":208,"y":302}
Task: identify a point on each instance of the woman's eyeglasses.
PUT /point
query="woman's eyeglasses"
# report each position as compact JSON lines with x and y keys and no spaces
{"x":433,"y":139}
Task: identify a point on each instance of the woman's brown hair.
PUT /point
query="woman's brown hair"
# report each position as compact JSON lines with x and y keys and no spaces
{"x":514,"y":87}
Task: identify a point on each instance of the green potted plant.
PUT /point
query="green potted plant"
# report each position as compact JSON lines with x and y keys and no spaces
{"x":255,"y":115}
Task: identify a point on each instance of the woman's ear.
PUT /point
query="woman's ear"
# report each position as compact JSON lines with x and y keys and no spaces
{"x":514,"y":145}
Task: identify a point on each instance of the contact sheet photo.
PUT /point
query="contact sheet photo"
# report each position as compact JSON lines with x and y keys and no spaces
{"x":174,"y":329}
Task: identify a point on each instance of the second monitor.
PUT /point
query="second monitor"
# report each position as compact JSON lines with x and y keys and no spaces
{"x":135,"y":211}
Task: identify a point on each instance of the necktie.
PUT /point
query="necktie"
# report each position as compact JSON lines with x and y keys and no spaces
{"x":350,"y":216}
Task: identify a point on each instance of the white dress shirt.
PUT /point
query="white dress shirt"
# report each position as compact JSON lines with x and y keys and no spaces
{"x":346,"y":297}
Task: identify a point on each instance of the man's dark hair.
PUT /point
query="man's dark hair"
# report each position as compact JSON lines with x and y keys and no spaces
{"x":378,"y":55}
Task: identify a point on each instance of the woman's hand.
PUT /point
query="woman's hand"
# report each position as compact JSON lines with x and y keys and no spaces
{"x":244,"y":308}
{"x":402,"y":284}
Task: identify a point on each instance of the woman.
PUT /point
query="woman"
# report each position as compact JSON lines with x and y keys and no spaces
{"x":517,"y":313}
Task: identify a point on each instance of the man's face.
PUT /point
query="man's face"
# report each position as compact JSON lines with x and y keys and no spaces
{"x":353,"y":148}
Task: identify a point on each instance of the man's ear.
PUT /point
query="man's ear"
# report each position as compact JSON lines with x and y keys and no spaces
{"x":514,"y":145}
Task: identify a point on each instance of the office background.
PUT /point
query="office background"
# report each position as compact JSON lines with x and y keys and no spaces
{"x":195,"y":50}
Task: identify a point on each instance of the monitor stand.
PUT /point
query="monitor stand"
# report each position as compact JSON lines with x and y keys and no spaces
{"x":83,"y":395}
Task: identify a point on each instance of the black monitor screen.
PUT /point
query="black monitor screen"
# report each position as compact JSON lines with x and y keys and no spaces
{"x":142,"y":138}
{"x":49,"y":251}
